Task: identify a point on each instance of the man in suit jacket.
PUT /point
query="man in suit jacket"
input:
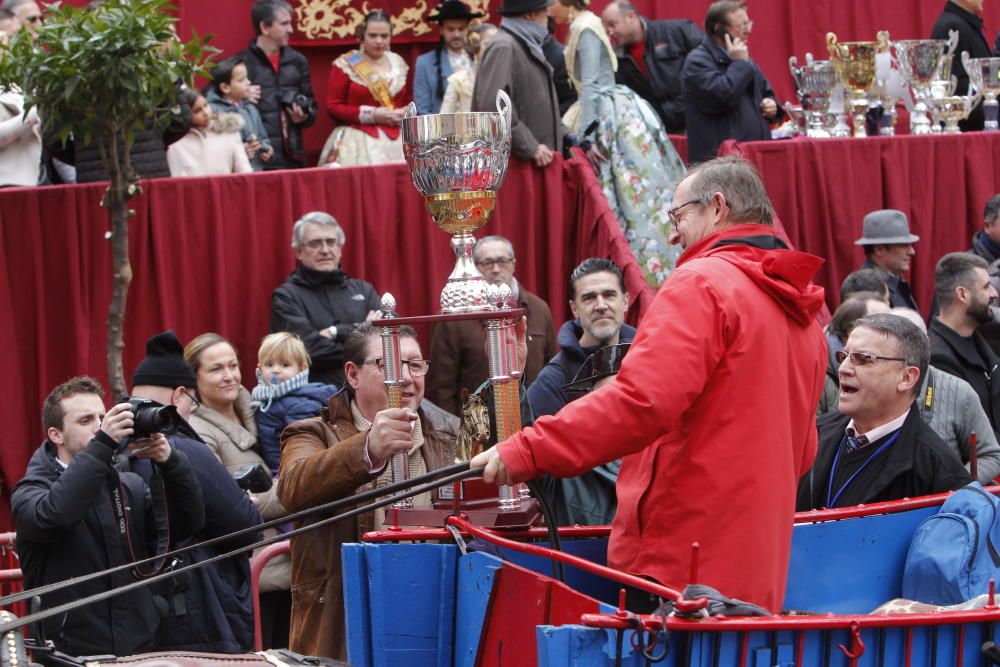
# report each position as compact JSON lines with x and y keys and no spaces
{"x":876,"y":447}
{"x":513,"y":61}
{"x":432,"y":70}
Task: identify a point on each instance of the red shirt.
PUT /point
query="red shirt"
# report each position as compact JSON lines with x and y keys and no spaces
{"x":275,"y":59}
{"x":638,"y":53}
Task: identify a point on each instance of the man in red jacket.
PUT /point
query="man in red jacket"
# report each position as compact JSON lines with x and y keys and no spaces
{"x":714,"y":407}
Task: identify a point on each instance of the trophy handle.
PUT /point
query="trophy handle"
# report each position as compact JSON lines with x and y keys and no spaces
{"x":969,"y":66}
{"x":952,"y":42}
{"x":503,"y":107}
{"x":796,"y":71}
{"x":410,"y":111}
{"x":831,"y":45}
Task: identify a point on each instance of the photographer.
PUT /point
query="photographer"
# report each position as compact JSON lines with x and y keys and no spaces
{"x":69,"y":506}
{"x":210,"y":609}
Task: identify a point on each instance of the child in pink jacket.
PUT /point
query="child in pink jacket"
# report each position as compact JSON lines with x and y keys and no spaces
{"x":212,"y":145}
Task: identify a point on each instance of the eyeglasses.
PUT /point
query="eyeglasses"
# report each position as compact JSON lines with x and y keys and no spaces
{"x":418,"y":367}
{"x":316,"y":244}
{"x":672,"y":213}
{"x":194,"y":401}
{"x":864,"y":358}
{"x":746,"y":25}
{"x":502,"y":262}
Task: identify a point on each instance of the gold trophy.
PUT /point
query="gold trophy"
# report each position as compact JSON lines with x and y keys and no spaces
{"x":855,"y":62}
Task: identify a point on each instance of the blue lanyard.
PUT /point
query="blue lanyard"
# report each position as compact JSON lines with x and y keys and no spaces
{"x":830,"y":504}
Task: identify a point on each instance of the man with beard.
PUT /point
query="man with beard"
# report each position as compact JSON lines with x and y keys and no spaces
{"x":965,"y":293}
{"x":598,"y":300}
{"x":888,"y":246}
{"x":449,"y":56}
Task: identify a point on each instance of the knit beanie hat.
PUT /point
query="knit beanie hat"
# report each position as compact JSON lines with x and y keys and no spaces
{"x":164,"y":365}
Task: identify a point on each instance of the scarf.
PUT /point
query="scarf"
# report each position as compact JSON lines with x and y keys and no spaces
{"x":988,"y":244}
{"x":529,"y":31}
{"x":266,"y":392}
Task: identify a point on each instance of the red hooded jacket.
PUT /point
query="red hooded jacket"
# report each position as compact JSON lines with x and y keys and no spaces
{"x":714,"y":412}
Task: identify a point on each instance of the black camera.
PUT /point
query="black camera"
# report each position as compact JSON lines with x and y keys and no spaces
{"x":290,"y":97}
{"x":152,"y":418}
{"x":253,"y":477}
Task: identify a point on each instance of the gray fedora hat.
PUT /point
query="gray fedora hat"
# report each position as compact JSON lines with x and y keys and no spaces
{"x":887,"y":226}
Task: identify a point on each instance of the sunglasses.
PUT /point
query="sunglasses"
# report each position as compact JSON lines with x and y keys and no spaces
{"x":864,"y":358}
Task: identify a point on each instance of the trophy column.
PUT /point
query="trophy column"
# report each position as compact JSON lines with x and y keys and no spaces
{"x":399,"y":464}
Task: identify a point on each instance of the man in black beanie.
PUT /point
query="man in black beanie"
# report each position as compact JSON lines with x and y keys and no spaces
{"x":210,"y":608}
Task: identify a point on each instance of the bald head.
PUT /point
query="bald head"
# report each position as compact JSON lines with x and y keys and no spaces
{"x":623,"y":23}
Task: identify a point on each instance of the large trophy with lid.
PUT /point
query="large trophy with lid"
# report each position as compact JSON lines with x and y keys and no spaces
{"x":457,"y":162}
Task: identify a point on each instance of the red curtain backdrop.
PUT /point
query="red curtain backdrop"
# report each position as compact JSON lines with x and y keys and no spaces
{"x":206,"y":254}
{"x":822,"y":189}
{"x":782,"y":28}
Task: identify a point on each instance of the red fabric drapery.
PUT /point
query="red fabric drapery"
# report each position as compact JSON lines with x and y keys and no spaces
{"x":822,"y":189}
{"x":206,"y":254}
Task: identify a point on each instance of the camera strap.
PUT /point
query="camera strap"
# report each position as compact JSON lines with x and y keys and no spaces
{"x":161,"y":521}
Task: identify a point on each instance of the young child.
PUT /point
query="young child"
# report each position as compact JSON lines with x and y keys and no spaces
{"x":228,"y":92}
{"x":284,"y":391}
{"x":211,"y":146}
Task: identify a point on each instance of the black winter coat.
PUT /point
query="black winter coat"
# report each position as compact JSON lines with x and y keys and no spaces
{"x":555,"y":53}
{"x":668,"y":44}
{"x":210,"y":609}
{"x":918,"y":463}
{"x":66,"y":527}
{"x":951,"y":353}
{"x":971,"y":39}
{"x":291,"y":79}
{"x":722,"y":100}
{"x":309,"y":301}
{"x":148,"y":155}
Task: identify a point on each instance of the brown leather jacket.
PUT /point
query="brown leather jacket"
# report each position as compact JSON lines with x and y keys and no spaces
{"x":458,"y":353}
{"x":322,"y":460}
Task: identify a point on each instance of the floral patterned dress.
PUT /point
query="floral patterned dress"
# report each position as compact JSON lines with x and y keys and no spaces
{"x":643,"y":168}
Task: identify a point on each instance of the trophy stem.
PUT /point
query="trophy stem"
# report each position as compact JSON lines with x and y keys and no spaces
{"x":859,"y":107}
{"x":465,"y":290}
{"x":815,"y":126}
{"x":991,"y":109}
{"x":920,"y":122}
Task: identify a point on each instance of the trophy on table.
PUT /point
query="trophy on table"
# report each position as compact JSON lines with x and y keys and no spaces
{"x":814,"y":82}
{"x":922,"y":62}
{"x":855,"y":63}
{"x":984,"y":76}
{"x":457,"y":162}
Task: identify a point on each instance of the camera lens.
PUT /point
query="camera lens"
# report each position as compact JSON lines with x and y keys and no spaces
{"x":160,"y":419}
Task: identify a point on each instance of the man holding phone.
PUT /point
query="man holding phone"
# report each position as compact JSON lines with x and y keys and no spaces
{"x":726,"y":95}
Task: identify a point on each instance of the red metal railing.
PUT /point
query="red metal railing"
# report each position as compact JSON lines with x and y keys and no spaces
{"x":257,"y":564}
{"x":11,"y":578}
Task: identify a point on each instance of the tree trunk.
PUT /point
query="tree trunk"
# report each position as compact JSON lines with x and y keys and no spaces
{"x":116,"y":201}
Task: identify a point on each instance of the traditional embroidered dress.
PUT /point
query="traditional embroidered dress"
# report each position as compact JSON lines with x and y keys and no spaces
{"x":355,"y":90}
{"x":643,"y":168}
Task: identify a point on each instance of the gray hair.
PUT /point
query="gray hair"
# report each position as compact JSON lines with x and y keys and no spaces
{"x":912,"y":316}
{"x":494,"y":237}
{"x":956,"y":269}
{"x":913,"y":344}
{"x":320,"y":219}
{"x":266,"y":11}
{"x":739,"y":182}
{"x":991,"y":210}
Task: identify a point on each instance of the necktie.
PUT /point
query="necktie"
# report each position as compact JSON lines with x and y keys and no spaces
{"x":854,"y":443}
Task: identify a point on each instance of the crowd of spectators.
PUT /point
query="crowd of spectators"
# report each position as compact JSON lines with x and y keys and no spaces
{"x":903,"y":401}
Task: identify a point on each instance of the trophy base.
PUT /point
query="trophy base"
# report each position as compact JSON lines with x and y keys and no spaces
{"x":461,"y":212}
{"x":464,"y":295}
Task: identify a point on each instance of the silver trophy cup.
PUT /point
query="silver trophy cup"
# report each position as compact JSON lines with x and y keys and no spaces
{"x":984,"y":75}
{"x":457,"y":162}
{"x":815,"y":82}
{"x":920,"y":62}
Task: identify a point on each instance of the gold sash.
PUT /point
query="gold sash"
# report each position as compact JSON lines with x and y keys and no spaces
{"x":376,"y":84}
